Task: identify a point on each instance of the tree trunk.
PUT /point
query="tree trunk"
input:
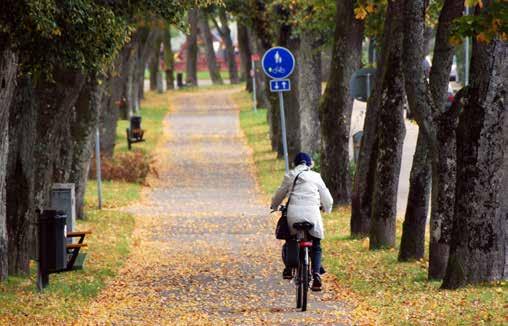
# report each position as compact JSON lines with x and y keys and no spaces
{"x":444,"y":170}
{"x":245,"y":55}
{"x":83,"y":137}
{"x":8,"y":70}
{"x":192,"y":49}
{"x":363,"y":188}
{"x":412,"y":245}
{"x":38,"y":116}
{"x":169,"y":59}
{"x":130,"y":90}
{"x":20,"y":178}
{"x":444,"y":149}
{"x":391,"y":131}
{"x":478,"y":244}
{"x":154,"y":69}
{"x":113,"y":101}
{"x":337,"y":105}
{"x":264,"y":99}
{"x":230,"y":50}
{"x":263,"y":41}
{"x":427,"y":101}
{"x":148,"y":37}
{"x":292,"y":104}
{"x":153,"y":56}
{"x":211,"y":60}
{"x":504,"y":190}
{"x":309,"y":91}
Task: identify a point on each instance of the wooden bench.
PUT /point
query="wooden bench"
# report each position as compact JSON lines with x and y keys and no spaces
{"x":134,"y":132}
{"x":74,"y":248}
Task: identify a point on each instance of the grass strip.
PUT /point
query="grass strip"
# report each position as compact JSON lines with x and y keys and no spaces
{"x":109,"y":245}
{"x":387,"y":292}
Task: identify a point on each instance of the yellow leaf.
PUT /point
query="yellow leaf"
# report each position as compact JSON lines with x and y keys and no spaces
{"x":481,"y":37}
{"x":455,"y":40}
{"x":360,"y":13}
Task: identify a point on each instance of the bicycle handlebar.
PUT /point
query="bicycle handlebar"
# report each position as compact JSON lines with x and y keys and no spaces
{"x":279,"y":209}
{"x":282,"y":207}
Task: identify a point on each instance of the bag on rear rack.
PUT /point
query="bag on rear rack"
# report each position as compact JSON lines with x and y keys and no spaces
{"x":291,"y":253}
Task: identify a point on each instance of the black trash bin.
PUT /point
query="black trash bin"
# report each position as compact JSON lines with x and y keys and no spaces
{"x":135,"y":122}
{"x":179,"y":80}
{"x":52,"y":251}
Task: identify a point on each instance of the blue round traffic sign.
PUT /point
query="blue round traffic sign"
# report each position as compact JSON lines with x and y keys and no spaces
{"x":278,"y":62}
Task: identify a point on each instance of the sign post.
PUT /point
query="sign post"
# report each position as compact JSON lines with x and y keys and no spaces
{"x":283,"y":127}
{"x":98,"y":165}
{"x":466,"y":55}
{"x":278,"y":63}
{"x":360,"y":85}
{"x":368,"y":85}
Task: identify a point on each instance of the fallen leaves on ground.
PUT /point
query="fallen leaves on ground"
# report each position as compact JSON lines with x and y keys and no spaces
{"x":204,"y":251}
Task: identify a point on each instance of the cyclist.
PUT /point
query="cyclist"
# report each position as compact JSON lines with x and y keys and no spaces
{"x":308,"y":196}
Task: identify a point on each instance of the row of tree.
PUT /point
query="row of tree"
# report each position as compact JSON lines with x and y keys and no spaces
{"x":461,"y":160}
{"x":199,"y":24}
{"x":65,"y":67}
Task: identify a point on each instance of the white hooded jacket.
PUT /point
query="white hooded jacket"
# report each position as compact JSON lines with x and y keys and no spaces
{"x":308,"y":194}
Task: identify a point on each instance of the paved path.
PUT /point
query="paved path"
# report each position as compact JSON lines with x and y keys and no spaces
{"x":204,"y":247}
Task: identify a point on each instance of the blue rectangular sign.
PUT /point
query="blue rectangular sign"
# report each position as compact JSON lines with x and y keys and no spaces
{"x":280,"y":85}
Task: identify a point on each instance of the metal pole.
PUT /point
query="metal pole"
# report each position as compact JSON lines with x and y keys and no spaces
{"x":466,"y":56}
{"x":368,"y":85}
{"x":254,"y":99}
{"x":283,"y":127}
{"x":98,"y":165}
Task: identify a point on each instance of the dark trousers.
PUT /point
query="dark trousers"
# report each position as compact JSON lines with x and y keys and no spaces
{"x":315,"y":255}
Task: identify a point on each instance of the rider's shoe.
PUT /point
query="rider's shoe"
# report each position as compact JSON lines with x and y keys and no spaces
{"x":316,"y":283}
{"x":287,"y":274}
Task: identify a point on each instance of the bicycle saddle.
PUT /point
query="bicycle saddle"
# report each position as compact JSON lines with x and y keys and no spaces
{"x":305,"y":226}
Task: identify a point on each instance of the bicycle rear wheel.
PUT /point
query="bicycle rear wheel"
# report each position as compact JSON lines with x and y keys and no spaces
{"x":299,"y":288}
{"x":305,"y":281}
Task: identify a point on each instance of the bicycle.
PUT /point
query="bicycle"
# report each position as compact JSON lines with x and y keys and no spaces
{"x":302,"y":273}
{"x":300,"y":262}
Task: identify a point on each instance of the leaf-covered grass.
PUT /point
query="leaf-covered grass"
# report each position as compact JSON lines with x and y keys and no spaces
{"x":108,"y":245}
{"x":114,"y":194}
{"x":21,"y":304}
{"x":387,"y":292}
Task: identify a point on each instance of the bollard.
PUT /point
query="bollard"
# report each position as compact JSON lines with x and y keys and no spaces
{"x":179,"y":80}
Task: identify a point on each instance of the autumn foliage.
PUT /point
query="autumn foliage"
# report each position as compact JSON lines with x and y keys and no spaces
{"x":129,"y":167}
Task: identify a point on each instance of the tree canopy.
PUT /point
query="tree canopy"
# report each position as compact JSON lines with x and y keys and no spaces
{"x":82,"y":34}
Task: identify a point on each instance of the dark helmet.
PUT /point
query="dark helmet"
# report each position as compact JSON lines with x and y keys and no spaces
{"x":302,"y":158}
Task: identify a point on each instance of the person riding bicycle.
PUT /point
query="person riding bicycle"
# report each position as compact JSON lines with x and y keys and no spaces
{"x":308,"y":196}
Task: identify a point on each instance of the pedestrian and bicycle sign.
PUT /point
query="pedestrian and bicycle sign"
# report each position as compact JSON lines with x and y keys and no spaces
{"x":278,"y":63}
{"x":280,"y":85}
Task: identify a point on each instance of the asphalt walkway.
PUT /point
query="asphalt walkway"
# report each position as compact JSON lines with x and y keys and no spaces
{"x":204,"y":250}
